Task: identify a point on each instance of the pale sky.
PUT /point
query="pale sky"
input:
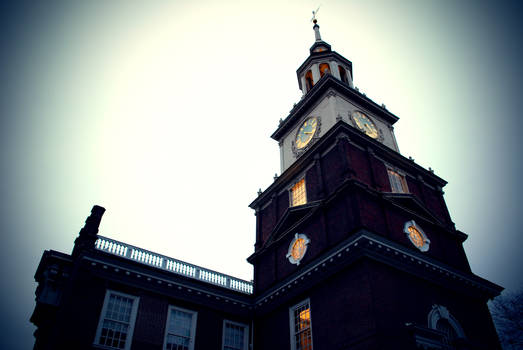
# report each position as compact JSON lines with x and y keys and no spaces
{"x":162,"y":111}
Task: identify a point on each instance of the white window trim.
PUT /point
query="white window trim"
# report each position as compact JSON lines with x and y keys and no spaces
{"x":292,"y":325}
{"x":426,"y":240}
{"x":441,"y":312}
{"x":193,"y":325}
{"x":245,"y":335}
{"x":400,"y":173}
{"x":132,"y":319}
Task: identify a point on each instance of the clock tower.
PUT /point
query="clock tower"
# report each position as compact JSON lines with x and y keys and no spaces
{"x":355,"y":247}
{"x":325,"y":78}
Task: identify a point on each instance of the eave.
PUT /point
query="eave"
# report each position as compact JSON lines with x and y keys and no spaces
{"x":363,"y":244}
{"x":355,"y":136}
{"x":321,"y":56}
{"x":330,"y":82}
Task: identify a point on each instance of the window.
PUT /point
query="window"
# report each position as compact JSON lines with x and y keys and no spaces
{"x":324,"y":68}
{"x":441,"y":319}
{"x":449,"y":334}
{"x":116,"y":325}
{"x":308,"y":80}
{"x":398,"y":183}
{"x":235,"y":336}
{"x":343,"y":74}
{"x":180,"y":329}
{"x":300,"y":324}
{"x":298,"y":195}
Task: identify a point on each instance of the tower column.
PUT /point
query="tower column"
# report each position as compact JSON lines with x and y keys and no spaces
{"x":349,"y":76}
{"x":335,"y":71}
{"x":303,"y":85}
{"x":315,"y":73}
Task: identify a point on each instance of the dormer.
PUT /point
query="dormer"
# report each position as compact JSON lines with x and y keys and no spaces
{"x":322,"y":61}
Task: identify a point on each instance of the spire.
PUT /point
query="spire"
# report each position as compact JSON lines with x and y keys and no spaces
{"x":316,"y":30}
{"x":316,"y":27}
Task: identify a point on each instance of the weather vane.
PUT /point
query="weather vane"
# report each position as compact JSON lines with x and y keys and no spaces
{"x":314,"y":13}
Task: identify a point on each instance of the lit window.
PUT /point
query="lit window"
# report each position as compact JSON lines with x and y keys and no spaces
{"x":300,"y":324}
{"x":308,"y":80}
{"x":416,"y":235}
{"x":180,"y":329}
{"x":398,"y":183}
{"x":235,"y":336}
{"x":116,"y":325}
{"x":324,"y":68}
{"x":298,"y":195}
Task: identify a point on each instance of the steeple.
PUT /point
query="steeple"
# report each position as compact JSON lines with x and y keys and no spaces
{"x":322,"y":60}
{"x":316,"y":30}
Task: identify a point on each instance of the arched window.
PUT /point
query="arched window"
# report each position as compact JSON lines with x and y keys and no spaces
{"x":308,"y":80}
{"x":324,"y":68}
{"x":440,"y":319}
{"x":343,"y":74}
{"x":449,"y":333}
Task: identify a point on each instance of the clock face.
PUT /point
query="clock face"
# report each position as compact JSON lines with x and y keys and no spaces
{"x":365,"y":124}
{"x":306,"y":132}
{"x":416,"y":237}
{"x":297,"y":248}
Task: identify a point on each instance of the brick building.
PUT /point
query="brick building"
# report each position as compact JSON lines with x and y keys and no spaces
{"x":354,"y":249}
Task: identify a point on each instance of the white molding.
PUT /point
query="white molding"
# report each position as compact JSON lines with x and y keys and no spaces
{"x":382,"y":244}
{"x":170,"y":283}
{"x":193,"y":325}
{"x":426,"y":241}
{"x":132,"y":319}
{"x":441,"y":312}
{"x":245,"y":334}
{"x":292,"y":324}
{"x":398,"y":171}
{"x":289,"y":256}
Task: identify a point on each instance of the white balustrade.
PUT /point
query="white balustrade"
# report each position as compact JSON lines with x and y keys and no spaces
{"x":172,"y":265}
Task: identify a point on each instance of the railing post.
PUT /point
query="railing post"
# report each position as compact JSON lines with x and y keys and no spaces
{"x":228,"y":282}
{"x":197,"y":273}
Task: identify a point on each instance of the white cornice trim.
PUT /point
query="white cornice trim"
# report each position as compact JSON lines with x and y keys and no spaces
{"x":161,"y":281}
{"x":381,"y":244}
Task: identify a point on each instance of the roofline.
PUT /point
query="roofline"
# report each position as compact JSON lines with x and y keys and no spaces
{"x":326,"y":82}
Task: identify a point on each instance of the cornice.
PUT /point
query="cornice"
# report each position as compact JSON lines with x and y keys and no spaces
{"x":355,"y":137}
{"x":321,"y":56}
{"x":141,"y":279}
{"x":326,"y":82}
{"x":366,"y":244}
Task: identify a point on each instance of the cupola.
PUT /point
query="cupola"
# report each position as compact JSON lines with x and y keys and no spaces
{"x":322,"y":61}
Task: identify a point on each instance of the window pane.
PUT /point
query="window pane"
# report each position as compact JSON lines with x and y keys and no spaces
{"x":179,"y":327}
{"x":397,"y":182}
{"x":302,"y":327}
{"x":116,"y":321}
{"x":298,"y":193}
{"x":234,"y":336}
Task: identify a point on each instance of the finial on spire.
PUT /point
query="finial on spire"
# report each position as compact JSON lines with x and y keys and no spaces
{"x":316,"y":27}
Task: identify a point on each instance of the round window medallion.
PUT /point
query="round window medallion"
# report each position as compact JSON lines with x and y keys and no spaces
{"x":297,"y":248}
{"x":416,"y":235}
